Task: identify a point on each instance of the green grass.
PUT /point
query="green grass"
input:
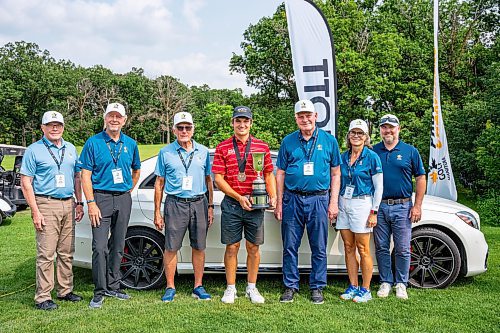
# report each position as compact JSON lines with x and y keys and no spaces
{"x":469,"y":305}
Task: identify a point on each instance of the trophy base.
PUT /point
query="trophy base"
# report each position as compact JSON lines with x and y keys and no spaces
{"x":260,"y":206}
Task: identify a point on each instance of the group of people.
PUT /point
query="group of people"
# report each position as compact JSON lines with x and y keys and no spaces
{"x":358,"y":192}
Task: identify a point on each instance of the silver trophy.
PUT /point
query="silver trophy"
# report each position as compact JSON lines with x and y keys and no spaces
{"x":260,"y":199}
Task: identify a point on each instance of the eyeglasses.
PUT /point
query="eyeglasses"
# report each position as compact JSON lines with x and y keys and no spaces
{"x":353,"y":133}
{"x":182,"y":128}
{"x":56,"y":126}
{"x":389,"y":120}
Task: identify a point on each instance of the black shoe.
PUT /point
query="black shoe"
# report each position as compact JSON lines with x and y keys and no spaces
{"x":46,"y":305}
{"x":70,"y":297}
{"x":317,"y":296}
{"x":96,"y":302}
{"x":119,"y":294}
{"x":287,"y":296}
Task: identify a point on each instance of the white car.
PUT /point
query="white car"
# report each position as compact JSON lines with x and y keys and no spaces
{"x":445,"y":243}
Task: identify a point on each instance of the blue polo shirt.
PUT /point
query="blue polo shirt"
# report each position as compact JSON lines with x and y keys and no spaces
{"x":293,"y":155}
{"x":96,"y":157}
{"x":169,"y":166}
{"x":360,"y":173}
{"x":39,"y":164}
{"x":399,"y":165}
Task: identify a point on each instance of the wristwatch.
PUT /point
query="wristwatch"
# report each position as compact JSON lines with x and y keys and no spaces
{"x":211,"y":206}
{"x":89,"y":201}
{"x":80,"y":203}
{"x":373,"y":212}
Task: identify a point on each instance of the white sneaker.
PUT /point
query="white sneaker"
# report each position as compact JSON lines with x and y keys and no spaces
{"x":384,"y":290}
{"x":401,"y":291}
{"x":229,"y":296}
{"x":255,"y":296}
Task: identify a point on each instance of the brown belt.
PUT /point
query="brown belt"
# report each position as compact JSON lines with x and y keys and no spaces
{"x":396,"y":201}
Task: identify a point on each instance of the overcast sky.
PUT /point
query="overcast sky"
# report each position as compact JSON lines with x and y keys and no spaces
{"x":192,"y":40}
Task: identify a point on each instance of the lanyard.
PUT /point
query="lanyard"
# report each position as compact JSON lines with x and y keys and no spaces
{"x":58,"y":163}
{"x":353,"y":167}
{"x":241,"y":162}
{"x":115,"y":159}
{"x":183,"y":162}
{"x":308,"y":154}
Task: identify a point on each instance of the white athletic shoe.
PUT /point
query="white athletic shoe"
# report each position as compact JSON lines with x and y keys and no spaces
{"x":384,"y":290}
{"x":229,"y":296}
{"x":401,"y":291}
{"x":254,"y":295}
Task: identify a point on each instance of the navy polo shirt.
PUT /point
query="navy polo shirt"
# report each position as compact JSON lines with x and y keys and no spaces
{"x":360,"y":173}
{"x":39,"y":164}
{"x":96,"y":157}
{"x":399,"y":165}
{"x":292,"y":157}
{"x":170,"y":167}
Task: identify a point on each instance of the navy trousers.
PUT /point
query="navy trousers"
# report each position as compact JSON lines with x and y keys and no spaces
{"x":300,"y":212}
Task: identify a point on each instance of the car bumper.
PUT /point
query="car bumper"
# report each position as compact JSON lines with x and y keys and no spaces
{"x":477,"y":252}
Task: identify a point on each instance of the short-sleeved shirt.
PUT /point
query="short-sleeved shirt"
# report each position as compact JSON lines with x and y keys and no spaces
{"x":399,"y":165}
{"x":225,"y":163}
{"x":39,"y":164}
{"x":292,"y":156}
{"x":97,"y":156}
{"x":360,"y":173}
{"x":169,"y":166}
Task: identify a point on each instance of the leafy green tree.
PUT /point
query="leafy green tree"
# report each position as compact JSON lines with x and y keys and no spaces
{"x":266,"y":60}
{"x":214,"y":126}
{"x":31,"y":83}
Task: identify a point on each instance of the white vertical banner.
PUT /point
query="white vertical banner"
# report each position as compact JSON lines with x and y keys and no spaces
{"x":313,"y":58}
{"x":440,"y":181}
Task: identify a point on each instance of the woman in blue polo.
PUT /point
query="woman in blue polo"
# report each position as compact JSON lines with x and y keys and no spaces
{"x":360,"y":195}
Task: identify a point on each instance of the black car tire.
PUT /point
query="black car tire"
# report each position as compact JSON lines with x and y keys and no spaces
{"x":142,"y":263}
{"x":435,"y":259}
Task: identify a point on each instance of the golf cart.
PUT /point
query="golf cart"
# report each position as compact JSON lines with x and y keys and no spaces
{"x":11,"y":196}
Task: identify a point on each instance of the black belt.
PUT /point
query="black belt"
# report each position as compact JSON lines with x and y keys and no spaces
{"x":115,"y":193}
{"x":52,"y":198}
{"x":308,"y":194}
{"x":192,"y":199}
{"x":396,"y":201}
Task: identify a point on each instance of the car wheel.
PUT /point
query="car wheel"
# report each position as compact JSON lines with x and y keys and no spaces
{"x":1,"y":219}
{"x":142,"y":263}
{"x":435,"y":259}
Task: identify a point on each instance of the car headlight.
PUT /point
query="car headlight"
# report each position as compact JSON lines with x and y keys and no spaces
{"x":468,"y":218}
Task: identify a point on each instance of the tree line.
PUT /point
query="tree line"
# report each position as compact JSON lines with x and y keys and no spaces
{"x":384,"y":62}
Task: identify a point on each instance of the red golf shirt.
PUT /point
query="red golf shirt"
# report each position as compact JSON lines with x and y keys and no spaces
{"x":225,"y":163}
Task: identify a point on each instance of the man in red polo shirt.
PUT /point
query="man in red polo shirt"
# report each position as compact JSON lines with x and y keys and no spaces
{"x":234,"y":175}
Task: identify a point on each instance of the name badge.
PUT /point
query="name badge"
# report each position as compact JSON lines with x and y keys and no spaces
{"x":349,"y":191}
{"x":117,"y":176}
{"x":187,"y":183}
{"x":60,"y":181}
{"x":309,"y":169}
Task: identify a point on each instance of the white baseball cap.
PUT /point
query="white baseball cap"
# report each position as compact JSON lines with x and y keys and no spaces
{"x":304,"y":105}
{"x":389,"y":119}
{"x":116,"y":107}
{"x":183,"y":117}
{"x":51,"y":116}
{"x":359,"y":124}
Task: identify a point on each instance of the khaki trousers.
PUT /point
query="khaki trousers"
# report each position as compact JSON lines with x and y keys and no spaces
{"x":57,"y":237}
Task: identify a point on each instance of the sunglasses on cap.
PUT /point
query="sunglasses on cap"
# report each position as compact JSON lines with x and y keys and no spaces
{"x":184,"y":127}
{"x":388,"y":120}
